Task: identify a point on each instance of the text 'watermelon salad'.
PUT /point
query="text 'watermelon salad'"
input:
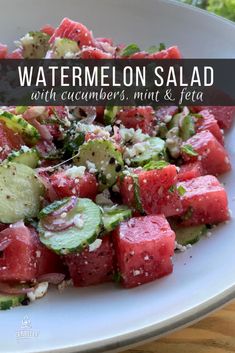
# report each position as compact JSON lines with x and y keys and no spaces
{"x":100,"y":194}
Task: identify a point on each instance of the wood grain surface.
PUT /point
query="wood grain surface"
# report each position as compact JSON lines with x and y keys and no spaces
{"x":214,"y":334}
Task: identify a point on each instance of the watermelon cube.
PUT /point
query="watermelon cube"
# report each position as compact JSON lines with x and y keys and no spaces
{"x":137,"y":118}
{"x":9,"y":140}
{"x":68,"y":185}
{"x":18,"y":259}
{"x":208,"y":122}
{"x":92,"y":266}
{"x":73,"y":30}
{"x":224,"y":115}
{"x":47,"y":261}
{"x":211,"y":153}
{"x":157,"y":193}
{"x":190,"y":171}
{"x":163,"y":112}
{"x":144,"y":247}
{"x":204,"y":201}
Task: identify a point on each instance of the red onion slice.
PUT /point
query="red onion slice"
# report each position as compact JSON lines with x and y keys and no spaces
{"x":66,"y":207}
{"x":53,"y":278}
{"x":6,"y":288}
{"x":50,"y":192}
{"x":4,"y":244}
{"x":56,"y":224}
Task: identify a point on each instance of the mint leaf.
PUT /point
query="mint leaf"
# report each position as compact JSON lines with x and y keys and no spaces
{"x":156,"y":48}
{"x":181,"y":190}
{"x":189,"y":150}
{"x":129,"y":50}
{"x":155,"y":165}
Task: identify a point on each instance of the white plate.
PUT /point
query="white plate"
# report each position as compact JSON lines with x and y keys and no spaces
{"x":104,"y":318}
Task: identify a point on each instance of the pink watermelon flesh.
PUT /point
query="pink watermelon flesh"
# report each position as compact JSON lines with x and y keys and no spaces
{"x":204,"y":202}
{"x":157,"y":193}
{"x":211,"y":153}
{"x":47,"y":261}
{"x":92,"y":267}
{"x":162,"y":112}
{"x":190,"y":171}
{"x":137,"y":118}
{"x":224,"y":115}
{"x":169,"y":53}
{"x":208,"y":122}
{"x":75,"y":31}
{"x":18,"y":260}
{"x":144,"y":246}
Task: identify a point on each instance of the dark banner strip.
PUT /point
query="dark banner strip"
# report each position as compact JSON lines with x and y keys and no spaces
{"x":117,"y":82}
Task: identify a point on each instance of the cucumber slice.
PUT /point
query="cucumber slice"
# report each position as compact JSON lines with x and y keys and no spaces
{"x":82,"y":222}
{"x":10,"y":301}
{"x":112,"y":216}
{"x":35,"y":45}
{"x":25,"y":155}
{"x":20,"y":192}
{"x":110,"y":113}
{"x":105,"y":158}
{"x":189,"y":235}
{"x":20,"y":125}
{"x":64,"y":46}
{"x":155,"y":150}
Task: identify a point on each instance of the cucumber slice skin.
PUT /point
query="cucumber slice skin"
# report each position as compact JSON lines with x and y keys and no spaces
{"x":155,"y":152}
{"x":74,"y":239}
{"x":20,"y":192}
{"x":110,"y":113}
{"x":29,"y":158}
{"x":112,"y":217}
{"x":189,"y":235}
{"x":107,"y":159}
{"x":20,"y":125}
{"x":10,"y":301}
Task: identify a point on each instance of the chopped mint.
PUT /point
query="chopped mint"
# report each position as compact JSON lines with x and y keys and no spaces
{"x":172,"y":189}
{"x":130,"y":49}
{"x":155,"y":165}
{"x":181,"y":190}
{"x":156,"y":48}
{"x":117,"y":277}
{"x":189,"y":150}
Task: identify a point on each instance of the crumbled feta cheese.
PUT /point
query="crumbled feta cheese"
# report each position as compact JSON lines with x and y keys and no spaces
{"x":38,"y":253}
{"x":75,"y":172}
{"x":25,"y":148}
{"x":136,"y":273}
{"x":180,"y":247}
{"x":38,"y":292}
{"x":91,"y":167}
{"x":115,"y":188}
{"x":78,"y":221}
{"x":104,"y":198}
{"x":94,"y":246}
{"x":64,"y":284}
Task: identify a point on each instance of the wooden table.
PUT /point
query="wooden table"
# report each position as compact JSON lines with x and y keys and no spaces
{"x":214,"y":334}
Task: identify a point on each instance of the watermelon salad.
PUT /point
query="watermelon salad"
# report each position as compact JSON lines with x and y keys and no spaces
{"x":100,"y":194}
